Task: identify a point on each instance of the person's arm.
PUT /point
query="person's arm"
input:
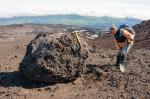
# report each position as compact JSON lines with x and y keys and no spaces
{"x":116,"y":44}
{"x":128,"y":35}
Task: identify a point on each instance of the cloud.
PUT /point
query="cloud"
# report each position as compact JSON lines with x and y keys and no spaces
{"x":113,"y":8}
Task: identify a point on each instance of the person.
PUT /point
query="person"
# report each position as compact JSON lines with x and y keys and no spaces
{"x":123,"y":38}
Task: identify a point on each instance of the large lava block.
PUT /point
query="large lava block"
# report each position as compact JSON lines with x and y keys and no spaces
{"x":54,"y":57}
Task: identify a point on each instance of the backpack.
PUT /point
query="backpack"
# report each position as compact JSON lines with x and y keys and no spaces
{"x":119,"y":37}
{"x":128,"y":28}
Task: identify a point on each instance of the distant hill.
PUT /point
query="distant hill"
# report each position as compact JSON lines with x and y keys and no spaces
{"x":71,"y":19}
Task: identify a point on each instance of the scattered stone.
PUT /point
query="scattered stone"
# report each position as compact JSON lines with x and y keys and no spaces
{"x":16,"y":56}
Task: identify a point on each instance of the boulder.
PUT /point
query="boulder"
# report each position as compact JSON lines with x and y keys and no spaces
{"x":54,"y":57}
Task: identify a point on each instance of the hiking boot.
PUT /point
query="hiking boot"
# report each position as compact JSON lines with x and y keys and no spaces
{"x":122,"y":68}
{"x":118,"y":60}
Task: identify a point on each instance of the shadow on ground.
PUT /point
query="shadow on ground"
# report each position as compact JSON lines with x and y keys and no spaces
{"x":15,"y":79}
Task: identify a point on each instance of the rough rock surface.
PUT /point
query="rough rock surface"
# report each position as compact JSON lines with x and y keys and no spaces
{"x":142,"y":34}
{"x":54,"y":57}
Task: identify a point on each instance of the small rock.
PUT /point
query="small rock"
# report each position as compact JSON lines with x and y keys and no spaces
{"x":16,"y":56}
{"x":39,"y":89}
{"x":17,"y":47}
{"x":133,"y":98}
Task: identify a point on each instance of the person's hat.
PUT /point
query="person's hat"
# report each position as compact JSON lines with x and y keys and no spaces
{"x":113,"y":27}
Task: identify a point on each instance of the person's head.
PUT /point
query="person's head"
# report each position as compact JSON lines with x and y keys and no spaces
{"x":113,"y":29}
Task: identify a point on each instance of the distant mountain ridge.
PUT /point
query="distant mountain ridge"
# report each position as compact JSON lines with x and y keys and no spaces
{"x":71,"y":19}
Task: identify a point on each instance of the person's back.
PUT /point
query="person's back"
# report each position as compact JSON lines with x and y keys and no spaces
{"x":120,"y":36}
{"x":128,"y":28}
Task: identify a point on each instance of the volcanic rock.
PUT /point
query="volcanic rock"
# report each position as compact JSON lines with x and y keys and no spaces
{"x":54,"y":57}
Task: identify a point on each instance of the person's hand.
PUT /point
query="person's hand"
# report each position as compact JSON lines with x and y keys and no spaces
{"x":118,"y":48}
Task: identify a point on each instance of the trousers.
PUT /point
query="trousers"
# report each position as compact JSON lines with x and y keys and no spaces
{"x":123,"y":53}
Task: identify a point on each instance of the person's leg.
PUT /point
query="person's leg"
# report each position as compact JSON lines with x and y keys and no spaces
{"x":122,"y":56}
{"x":124,"y":53}
{"x":118,"y":59}
{"x":126,"y":48}
{"x":129,"y":36}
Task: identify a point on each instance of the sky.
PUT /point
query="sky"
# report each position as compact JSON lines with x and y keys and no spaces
{"x":114,"y":8}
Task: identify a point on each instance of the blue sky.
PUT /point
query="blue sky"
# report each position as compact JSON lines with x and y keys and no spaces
{"x":114,"y":8}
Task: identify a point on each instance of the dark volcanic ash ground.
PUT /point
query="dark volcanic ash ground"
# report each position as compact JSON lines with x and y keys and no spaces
{"x":100,"y":80}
